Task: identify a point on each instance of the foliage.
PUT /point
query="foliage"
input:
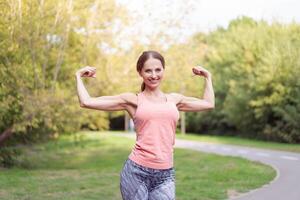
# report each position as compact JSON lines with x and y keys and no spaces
{"x":255,"y":67}
{"x":43,"y":44}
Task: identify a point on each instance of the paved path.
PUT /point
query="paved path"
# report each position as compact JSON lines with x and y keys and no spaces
{"x":286,"y":185}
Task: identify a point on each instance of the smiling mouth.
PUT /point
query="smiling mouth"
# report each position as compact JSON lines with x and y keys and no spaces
{"x":154,"y":81}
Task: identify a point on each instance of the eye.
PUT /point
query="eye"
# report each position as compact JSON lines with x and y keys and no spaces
{"x":158,"y":70}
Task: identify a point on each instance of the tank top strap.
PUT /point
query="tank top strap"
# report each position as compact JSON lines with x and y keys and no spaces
{"x":139,"y":98}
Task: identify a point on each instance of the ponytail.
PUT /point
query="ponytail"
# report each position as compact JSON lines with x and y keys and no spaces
{"x":143,"y":87}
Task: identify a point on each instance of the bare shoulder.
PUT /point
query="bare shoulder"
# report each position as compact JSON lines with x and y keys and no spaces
{"x":175,"y":97}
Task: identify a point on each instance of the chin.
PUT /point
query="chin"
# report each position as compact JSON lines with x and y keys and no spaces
{"x":153,"y":86}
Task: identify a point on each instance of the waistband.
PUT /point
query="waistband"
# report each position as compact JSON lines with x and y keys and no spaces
{"x":147,"y":168}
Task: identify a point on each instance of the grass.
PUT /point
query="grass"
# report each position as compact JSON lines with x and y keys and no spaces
{"x":87,"y":166}
{"x":241,"y":141}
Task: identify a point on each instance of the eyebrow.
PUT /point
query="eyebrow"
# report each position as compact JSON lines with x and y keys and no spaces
{"x":155,"y":68}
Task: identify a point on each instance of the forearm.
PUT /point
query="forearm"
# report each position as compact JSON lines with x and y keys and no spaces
{"x":209,"y":95}
{"x":82,"y":93}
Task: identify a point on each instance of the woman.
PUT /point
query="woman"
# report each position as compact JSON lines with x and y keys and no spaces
{"x":148,"y":172}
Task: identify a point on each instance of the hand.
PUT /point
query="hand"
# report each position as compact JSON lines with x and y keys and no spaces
{"x":200,"y":71}
{"x":87,"y":72}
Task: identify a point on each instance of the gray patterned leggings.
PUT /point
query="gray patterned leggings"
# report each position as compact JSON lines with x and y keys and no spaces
{"x":142,"y":183}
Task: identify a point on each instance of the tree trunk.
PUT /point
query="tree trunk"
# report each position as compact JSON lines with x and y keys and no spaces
{"x":126,"y":121}
{"x":6,"y":134}
{"x":182,"y":121}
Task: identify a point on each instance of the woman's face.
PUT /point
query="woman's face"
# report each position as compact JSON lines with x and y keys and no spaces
{"x":152,"y":72}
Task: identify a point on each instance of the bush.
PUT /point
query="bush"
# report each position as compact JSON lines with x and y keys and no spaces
{"x":8,"y":156}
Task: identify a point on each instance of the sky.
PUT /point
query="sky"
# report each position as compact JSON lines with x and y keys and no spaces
{"x":181,"y":18}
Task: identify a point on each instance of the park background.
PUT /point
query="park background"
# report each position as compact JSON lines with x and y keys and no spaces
{"x":254,"y":62}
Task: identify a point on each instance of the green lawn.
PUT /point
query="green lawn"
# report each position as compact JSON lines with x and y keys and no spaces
{"x":240,"y":141}
{"x":87,"y":167}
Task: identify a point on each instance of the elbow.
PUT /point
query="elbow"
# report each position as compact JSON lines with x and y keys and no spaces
{"x":211,"y":106}
{"x":83,"y":104}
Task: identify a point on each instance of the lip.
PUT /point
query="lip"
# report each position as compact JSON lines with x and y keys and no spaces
{"x":154,"y":81}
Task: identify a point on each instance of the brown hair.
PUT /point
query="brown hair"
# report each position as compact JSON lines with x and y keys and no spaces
{"x":144,"y":57}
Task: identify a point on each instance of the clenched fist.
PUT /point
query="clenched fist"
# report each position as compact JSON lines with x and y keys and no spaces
{"x":86,"y":72}
{"x":200,"y":71}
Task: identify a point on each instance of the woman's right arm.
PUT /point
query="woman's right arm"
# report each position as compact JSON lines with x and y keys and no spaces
{"x":105,"y":103}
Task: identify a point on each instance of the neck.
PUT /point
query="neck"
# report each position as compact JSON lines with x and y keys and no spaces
{"x":152,"y":92}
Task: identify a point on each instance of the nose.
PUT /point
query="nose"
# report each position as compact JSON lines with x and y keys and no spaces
{"x":153,"y":75}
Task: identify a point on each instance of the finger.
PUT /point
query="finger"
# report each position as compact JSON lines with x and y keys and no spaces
{"x":200,"y":68}
{"x":90,"y":73}
{"x":196,"y":71}
{"x":92,"y":68}
{"x":197,"y":68}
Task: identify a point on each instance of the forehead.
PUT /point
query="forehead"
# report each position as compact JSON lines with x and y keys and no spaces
{"x":152,"y":63}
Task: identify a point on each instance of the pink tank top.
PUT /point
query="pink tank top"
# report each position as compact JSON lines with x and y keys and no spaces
{"x":155,"y":126}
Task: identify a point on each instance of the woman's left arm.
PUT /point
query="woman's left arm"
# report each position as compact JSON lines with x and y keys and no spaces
{"x":193,"y":104}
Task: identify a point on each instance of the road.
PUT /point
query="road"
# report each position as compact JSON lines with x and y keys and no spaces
{"x":286,"y":184}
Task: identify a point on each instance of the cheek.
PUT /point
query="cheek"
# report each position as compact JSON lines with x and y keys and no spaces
{"x":147,"y":75}
{"x":161,"y":74}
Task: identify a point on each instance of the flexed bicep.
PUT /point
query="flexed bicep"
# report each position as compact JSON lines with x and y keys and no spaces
{"x":192,"y":104}
{"x":107,"y":103}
